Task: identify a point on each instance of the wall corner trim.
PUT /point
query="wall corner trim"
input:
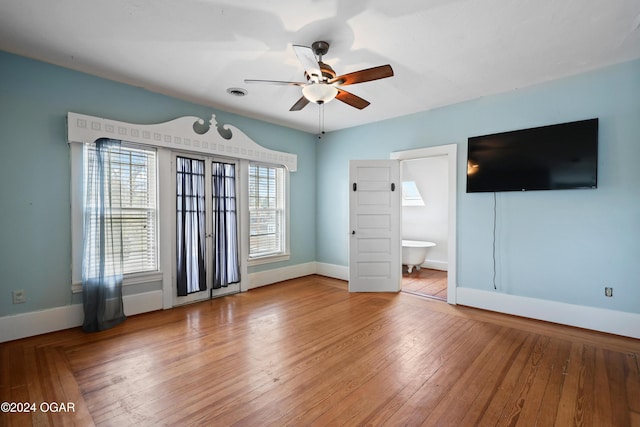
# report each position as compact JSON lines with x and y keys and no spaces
{"x":269,"y":277}
{"x":334,"y":271}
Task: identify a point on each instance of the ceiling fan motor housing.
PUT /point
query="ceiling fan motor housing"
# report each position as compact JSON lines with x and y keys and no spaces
{"x":327,"y":72}
{"x":320,"y":48}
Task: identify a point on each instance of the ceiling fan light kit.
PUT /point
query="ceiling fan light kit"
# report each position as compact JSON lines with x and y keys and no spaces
{"x":320,"y":93}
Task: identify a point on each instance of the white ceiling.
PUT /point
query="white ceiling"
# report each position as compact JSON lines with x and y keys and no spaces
{"x":442,"y":52}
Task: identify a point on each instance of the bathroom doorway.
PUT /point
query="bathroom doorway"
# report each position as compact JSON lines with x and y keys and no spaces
{"x":428,"y":217}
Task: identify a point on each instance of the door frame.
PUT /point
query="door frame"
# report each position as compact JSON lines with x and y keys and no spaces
{"x":451,"y":151}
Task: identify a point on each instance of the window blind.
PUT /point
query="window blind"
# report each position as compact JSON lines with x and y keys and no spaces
{"x":266,"y":210}
{"x":133,"y":172}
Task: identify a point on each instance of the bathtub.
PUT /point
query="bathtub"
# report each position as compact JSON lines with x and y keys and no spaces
{"x":414,"y":252}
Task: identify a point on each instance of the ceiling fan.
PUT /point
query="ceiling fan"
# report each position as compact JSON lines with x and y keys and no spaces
{"x":322,"y":84}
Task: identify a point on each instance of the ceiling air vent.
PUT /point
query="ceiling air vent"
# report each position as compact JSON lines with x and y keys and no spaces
{"x":237,"y":91}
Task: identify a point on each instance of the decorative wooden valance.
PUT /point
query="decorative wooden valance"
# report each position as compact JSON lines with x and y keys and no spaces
{"x":184,"y":133}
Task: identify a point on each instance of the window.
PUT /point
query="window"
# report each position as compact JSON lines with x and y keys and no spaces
{"x":133,"y":169}
{"x":267,"y":212}
{"x":155,"y":258}
{"x":410,"y":194}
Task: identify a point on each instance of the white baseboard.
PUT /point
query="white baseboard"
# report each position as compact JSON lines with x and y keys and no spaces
{"x":597,"y":319}
{"x":331,"y":270}
{"x":268,"y":277}
{"x":59,"y":318}
{"x":70,"y":316}
{"x":436,"y":265}
{"x":142,"y":303}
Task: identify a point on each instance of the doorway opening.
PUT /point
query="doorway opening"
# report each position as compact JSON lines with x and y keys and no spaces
{"x":429,"y":221}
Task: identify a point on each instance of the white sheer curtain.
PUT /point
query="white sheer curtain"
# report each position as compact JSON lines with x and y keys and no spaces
{"x":102,"y":254}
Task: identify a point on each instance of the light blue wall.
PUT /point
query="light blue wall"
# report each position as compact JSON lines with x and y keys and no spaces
{"x":561,"y":245}
{"x":35,"y":232}
{"x":555,"y":245}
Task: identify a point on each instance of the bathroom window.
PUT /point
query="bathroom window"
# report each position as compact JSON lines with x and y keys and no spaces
{"x":410,"y":194}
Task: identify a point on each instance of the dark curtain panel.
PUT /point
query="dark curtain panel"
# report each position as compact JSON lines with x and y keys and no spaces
{"x":226,"y":268}
{"x":190,"y":227}
{"x":102,"y":256}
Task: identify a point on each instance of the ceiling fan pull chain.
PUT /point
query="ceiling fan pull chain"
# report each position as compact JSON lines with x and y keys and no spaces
{"x":320,"y":120}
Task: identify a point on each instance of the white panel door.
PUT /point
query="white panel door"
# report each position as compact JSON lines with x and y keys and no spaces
{"x":374,"y":221}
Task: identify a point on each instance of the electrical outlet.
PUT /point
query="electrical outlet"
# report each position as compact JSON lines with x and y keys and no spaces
{"x":19,"y":296}
{"x":608,"y":292}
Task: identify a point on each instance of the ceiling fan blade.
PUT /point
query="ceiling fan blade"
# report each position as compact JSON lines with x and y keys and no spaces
{"x":308,"y":60}
{"x":361,"y":76}
{"x":300,"y":104}
{"x":274,"y":82}
{"x":351,"y":99}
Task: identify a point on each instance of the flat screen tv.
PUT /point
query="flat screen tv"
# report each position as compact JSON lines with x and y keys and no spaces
{"x":561,"y":156}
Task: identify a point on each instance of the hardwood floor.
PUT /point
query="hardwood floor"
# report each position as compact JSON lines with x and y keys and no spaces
{"x":307,"y":352}
{"x":426,"y":282}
